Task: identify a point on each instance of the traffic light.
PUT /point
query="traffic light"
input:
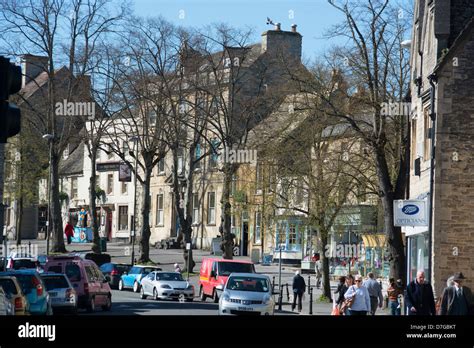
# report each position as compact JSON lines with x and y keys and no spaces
{"x":10,"y":83}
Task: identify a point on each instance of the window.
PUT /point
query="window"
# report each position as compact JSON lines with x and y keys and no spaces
{"x":159,"y":210}
{"x":233,"y":184}
{"x":214,"y":156}
{"x":258,"y":178}
{"x":292,"y":234}
{"x":180,"y":161}
{"x":161,"y":167}
{"x":123,"y":217}
{"x":232,"y":224}
{"x":281,"y":236}
{"x":413,"y":142}
{"x":258,"y":224}
{"x":124,"y":188}
{"x":211,"y":208}
{"x":110,"y":184}
{"x":426,"y":140}
{"x":66,"y":152}
{"x":73,"y":272}
{"x":195,"y":208}
{"x":73,"y":188}
{"x":197,"y":152}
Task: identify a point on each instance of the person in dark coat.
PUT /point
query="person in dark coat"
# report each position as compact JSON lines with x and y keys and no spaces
{"x":69,"y":232}
{"x":419,"y":297}
{"x":457,"y":299}
{"x":341,"y":290}
{"x":299,"y":288}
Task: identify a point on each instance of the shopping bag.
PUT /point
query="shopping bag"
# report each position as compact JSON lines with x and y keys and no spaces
{"x":335,"y":310}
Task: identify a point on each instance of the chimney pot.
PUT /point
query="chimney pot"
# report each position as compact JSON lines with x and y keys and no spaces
{"x":293,"y":28}
{"x":277,"y":26}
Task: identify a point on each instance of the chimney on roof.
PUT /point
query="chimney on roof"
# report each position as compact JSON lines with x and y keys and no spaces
{"x":277,"y":42}
{"x":32,"y":66}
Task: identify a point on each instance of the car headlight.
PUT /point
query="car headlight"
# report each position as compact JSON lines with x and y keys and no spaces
{"x":226,"y":297}
{"x":266,"y":300}
{"x":165,"y":286}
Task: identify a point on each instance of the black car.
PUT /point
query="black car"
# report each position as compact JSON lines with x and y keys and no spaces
{"x":114,"y":271}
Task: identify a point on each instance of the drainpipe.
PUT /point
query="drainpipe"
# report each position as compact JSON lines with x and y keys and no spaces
{"x":432,"y":79}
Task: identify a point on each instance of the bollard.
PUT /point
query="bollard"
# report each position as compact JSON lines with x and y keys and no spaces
{"x":309,"y":281}
{"x":310,"y":301}
{"x":280,"y":299}
{"x":273,"y":283}
{"x":287,"y":293}
{"x":29,"y":248}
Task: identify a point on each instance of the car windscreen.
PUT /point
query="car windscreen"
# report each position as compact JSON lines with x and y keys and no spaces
{"x":147,"y":270}
{"x":73,"y":272}
{"x":23,"y":263}
{"x":171,"y":276}
{"x":55,"y":282}
{"x":226,"y":268}
{"x":9,"y":286}
{"x":247,"y":284}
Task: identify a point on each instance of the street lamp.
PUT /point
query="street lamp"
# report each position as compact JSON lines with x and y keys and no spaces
{"x":134,"y":222}
{"x":49,"y":138}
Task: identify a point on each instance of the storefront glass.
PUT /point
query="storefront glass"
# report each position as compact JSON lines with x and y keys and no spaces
{"x":419,"y":255}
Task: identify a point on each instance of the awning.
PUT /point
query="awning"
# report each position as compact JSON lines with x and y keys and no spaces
{"x":374,"y":240}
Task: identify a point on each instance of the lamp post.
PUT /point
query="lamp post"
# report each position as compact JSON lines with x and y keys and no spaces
{"x":134,"y":221}
{"x":49,"y":138}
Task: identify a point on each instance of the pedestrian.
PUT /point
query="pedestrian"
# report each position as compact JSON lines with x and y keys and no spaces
{"x":457,"y":299}
{"x":393,"y":292}
{"x":177,"y":268}
{"x":375,"y":293}
{"x":299,"y":288}
{"x":419,"y":296}
{"x":318,"y":268}
{"x":341,"y":290}
{"x":69,"y":232}
{"x":359,"y":295}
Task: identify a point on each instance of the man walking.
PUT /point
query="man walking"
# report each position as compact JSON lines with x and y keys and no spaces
{"x":69,"y":232}
{"x":456,"y":299}
{"x":375,"y":293}
{"x":299,"y":288}
{"x":419,"y":297}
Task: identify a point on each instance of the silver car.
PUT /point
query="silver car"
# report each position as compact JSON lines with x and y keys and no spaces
{"x":6,"y":307}
{"x":246,"y":293}
{"x":166,"y":285}
{"x":61,"y":291}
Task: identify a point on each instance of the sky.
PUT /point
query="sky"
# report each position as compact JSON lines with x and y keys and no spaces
{"x":313,"y":17}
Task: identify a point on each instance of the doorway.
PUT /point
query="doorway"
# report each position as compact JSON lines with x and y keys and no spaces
{"x":108,"y":225}
{"x":245,"y":238}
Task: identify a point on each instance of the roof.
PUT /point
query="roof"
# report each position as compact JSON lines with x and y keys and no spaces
{"x":253,"y":275}
{"x":74,"y":164}
{"x":463,"y":35}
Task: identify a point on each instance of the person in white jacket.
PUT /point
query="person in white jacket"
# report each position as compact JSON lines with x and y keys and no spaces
{"x":359,"y":292}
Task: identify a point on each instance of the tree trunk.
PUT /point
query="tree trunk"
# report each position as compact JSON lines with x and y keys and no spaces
{"x":325,"y":262}
{"x":394,"y":234}
{"x":57,"y":242}
{"x":145,"y":228}
{"x":225,"y":227}
{"x":92,"y":205}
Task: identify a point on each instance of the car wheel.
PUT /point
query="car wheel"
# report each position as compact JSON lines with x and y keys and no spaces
{"x":120,"y":286}
{"x":142,"y":294}
{"x":215,"y":297}
{"x":155,"y":294}
{"x":202,"y":295}
{"x":136,"y":287}
{"x":108,"y":304}
{"x":91,"y":306}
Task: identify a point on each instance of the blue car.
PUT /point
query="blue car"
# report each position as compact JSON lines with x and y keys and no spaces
{"x":34,"y":289}
{"x":133,"y":278}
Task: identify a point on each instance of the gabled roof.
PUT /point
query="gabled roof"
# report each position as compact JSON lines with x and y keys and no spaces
{"x":74,"y":164}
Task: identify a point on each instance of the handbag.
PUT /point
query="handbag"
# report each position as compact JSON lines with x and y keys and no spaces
{"x":347,"y":303}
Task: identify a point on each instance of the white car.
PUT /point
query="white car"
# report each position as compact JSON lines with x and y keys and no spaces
{"x":166,"y":285}
{"x":246,"y":293}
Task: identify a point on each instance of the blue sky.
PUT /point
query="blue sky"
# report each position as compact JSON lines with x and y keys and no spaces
{"x":313,"y":17}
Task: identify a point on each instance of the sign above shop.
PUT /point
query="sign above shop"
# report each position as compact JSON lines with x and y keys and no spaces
{"x":108,"y":167}
{"x":410,"y":213}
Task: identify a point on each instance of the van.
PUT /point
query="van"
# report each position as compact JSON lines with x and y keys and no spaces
{"x":215,"y":272}
{"x":91,"y":287}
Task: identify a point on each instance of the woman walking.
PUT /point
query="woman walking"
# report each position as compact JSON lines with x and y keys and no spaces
{"x":359,"y":295}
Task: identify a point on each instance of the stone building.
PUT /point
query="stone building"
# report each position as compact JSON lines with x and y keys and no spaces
{"x":442,"y":82}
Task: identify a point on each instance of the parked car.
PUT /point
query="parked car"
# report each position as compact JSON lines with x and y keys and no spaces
{"x":21,"y":263}
{"x":166,"y":286}
{"x":13,"y":289}
{"x":215,"y":272}
{"x":247,"y":293}
{"x":34,"y":289}
{"x":6,"y":307}
{"x":92,"y":288}
{"x":114,"y":271}
{"x":62,"y":293}
{"x":133,"y":278}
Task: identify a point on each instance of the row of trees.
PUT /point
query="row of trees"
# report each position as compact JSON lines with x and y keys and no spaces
{"x":195,"y":92}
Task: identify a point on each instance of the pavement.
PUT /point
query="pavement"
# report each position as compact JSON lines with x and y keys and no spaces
{"x":127,"y":302}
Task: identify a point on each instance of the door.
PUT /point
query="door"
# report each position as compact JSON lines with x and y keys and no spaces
{"x":245,"y":238}
{"x":212,"y":279}
{"x":94,"y":290}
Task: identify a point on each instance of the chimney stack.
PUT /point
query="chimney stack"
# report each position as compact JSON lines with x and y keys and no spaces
{"x":293,"y":28}
{"x":278,"y":26}
{"x":32,"y":66}
{"x":278,"y":42}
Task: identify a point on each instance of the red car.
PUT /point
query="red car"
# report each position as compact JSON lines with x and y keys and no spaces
{"x":215,"y":272}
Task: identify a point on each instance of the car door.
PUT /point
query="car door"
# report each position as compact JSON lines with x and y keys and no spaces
{"x":130,"y":277}
{"x":94,"y":290}
{"x":102,"y":285}
{"x":147,"y":283}
{"x":213,"y":278}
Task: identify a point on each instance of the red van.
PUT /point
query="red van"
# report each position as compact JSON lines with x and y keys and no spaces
{"x":216,"y":271}
{"x":91,"y":286}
